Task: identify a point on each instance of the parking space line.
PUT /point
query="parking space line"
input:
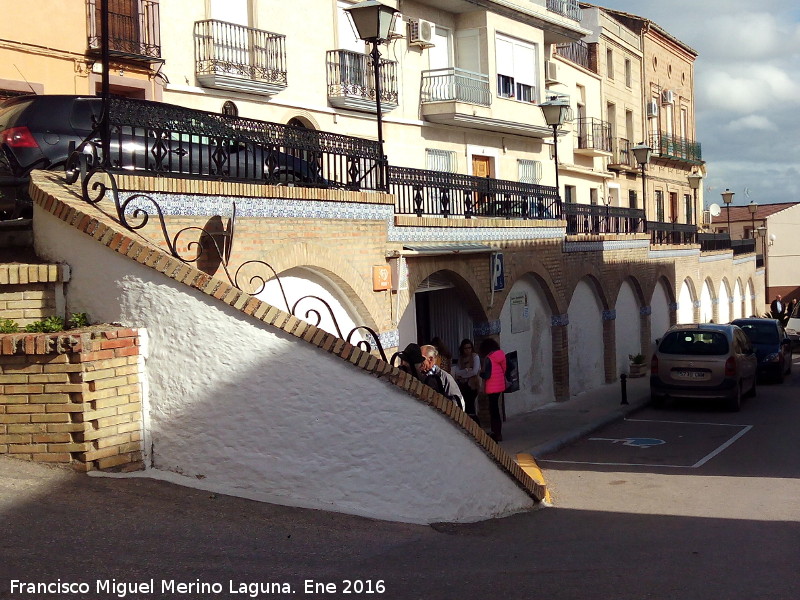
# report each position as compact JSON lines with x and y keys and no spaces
{"x":700,"y":463}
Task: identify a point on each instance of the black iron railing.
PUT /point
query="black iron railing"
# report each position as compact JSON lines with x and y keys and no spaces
{"x":351,"y":74}
{"x":566,"y":8}
{"x":134,"y":28}
{"x":743,"y":246}
{"x":676,"y":234}
{"x":594,"y":219}
{"x":577,"y":52}
{"x":164,"y":139}
{"x":432,"y":193}
{"x":456,"y":84}
{"x":676,"y":148}
{"x":710,"y":242}
{"x":594,"y":134}
{"x":230,"y":49}
{"x":621,"y":154}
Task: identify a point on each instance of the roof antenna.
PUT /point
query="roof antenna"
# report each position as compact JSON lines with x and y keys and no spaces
{"x":26,"y":81}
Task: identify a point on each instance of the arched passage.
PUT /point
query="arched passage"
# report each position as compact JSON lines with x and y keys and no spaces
{"x":724,"y":305}
{"x":686,"y":300}
{"x":660,"y":310}
{"x":586,"y":345}
{"x":627,"y":325}
{"x":738,"y":301}
{"x":707,"y":302}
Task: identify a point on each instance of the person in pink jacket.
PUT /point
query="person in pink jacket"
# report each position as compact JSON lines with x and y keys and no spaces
{"x":493,"y":372}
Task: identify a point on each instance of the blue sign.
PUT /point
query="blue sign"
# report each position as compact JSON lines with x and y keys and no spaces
{"x":498,"y":272}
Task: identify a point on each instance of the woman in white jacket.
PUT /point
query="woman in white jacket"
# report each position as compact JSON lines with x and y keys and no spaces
{"x":466,"y":369}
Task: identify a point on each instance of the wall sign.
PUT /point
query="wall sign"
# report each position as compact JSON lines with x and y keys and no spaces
{"x":381,"y":278}
{"x":498,"y":273}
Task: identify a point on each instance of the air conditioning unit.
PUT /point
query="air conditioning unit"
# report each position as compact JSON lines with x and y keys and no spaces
{"x":652,"y":108}
{"x":550,"y":71}
{"x":420,"y":33}
{"x":667,"y":97}
{"x":399,"y":29}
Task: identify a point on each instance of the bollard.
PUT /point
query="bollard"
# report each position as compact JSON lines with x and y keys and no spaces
{"x":623,"y":381}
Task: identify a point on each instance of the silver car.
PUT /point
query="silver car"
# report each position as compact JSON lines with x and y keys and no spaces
{"x":704,"y":361}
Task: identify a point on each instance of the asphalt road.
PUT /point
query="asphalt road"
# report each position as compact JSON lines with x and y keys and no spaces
{"x":700,"y":516}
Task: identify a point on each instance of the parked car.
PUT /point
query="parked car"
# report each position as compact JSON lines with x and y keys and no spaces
{"x":38,"y":132}
{"x":772,"y":344}
{"x":793,"y":325}
{"x":704,"y":360}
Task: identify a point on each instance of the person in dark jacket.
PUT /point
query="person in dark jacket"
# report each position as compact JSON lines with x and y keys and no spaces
{"x":421,"y":363}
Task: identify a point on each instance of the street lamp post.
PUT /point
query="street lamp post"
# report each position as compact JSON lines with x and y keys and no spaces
{"x":555,"y":113}
{"x":727,"y":198}
{"x":642,"y":153}
{"x":753,"y":207}
{"x":373,"y":21}
{"x":694,"y":182}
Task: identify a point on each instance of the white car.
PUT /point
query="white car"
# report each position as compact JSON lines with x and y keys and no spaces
{"x":793,"y":325}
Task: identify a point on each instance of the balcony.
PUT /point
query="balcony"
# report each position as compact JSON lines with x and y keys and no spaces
{"x":566,"y":8}
{"x":423,"y":192}
{"x":576,"y":52}
{"x":594,"y":137}
{"x":675,"y":150}
{"x":134,"y":30}
{"x":455,"y":85}
{"x":238,"y":58}
{"x":622,"y":158}
{"x":351,"y":81}
{"x":673,"y":234}
{"x":596,"y":219}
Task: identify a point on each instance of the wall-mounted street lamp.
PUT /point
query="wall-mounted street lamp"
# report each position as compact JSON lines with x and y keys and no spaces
{"x":642,"y":153}
{"x":727,"y":198}
{"x":555,"y":113}
{"x":753,"y":207}
{"x":374,"y":21}
{"x":695,"y":179}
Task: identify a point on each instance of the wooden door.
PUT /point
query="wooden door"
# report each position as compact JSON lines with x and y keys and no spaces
{"x":482,"y":167}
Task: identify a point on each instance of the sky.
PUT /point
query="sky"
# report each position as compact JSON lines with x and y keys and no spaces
{"x":747,"y":90}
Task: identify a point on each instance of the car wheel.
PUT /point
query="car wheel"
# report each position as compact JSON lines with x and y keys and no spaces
{"x":735,"y":402}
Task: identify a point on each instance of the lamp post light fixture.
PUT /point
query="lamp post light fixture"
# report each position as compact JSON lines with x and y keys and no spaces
{"x":753,"y":207}
{"x":555,"y":113}
{"x":727,"y":198}
{"x":694,"y":182}
{"x":374,"y":21}
{"x":642,"y":153}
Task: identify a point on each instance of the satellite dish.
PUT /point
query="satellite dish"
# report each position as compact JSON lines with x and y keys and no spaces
{"x":714,"y":209}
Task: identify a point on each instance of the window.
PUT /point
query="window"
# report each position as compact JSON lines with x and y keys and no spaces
{"x":609,"y":63}
{"x":628,"y":73}
{"x":593,"y":196}
{"x":230,"y":109}
{"x":660,"y":206}
{"x":569,"y":194}
{"x":687,"y":202}
{"x":440,"y":160}
{"x":530,"y":171}
{"x":516,"y":69}
{"x":632,"y":200}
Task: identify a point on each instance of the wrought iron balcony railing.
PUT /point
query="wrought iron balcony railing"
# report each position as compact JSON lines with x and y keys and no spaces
{"x":456,"y":84}
{"x":134,"y":29}
{"x":743,"y":246}
{"x":566,"y":8}
{"x":621,"y":154}
{"x":235,"y":50}
{"x":676,"y":148}
{"x":164,"y":139}
{"x":710,"y":242}
{"x":676,"y":234}
{"x":577,"y":52}
{"x":433,"y":193}
{"x":595,"y":219}
{"x":594,"y":134}
{"x":351,"y":81}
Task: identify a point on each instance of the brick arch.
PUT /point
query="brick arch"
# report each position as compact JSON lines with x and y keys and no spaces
{"x":666,"y":275}
{"x":460,"y":277}
{"x":595,"y":280}
{"x":672,"y":294}
{"x":534,"y":268}
{"x":335,"y":267}
{"x":614,"y":290}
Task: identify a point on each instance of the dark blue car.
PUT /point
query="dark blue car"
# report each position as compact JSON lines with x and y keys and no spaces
{"x":772,"y":345}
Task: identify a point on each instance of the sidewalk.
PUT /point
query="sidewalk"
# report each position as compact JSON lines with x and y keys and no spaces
{"x":555,"y":425}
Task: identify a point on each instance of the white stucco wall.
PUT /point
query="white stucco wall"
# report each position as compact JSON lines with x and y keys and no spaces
{"x":750,"y":301}
{"x":531,"y":337}
{"x":685,"y":305}
{"x":585,"y":332}
{"x":738,"y":301}
{"x":238,"y":407}
{"x":724,"y":307}
{"x":659,"y":313}
{"x":706,"y":304}
{"x":627,"y":327}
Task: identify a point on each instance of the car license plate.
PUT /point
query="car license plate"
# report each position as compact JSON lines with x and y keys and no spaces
{"x":689,"y":374}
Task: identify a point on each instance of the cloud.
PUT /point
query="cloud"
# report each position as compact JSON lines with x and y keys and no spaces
{"x":753,"y":87}
{"x":757,"y":122}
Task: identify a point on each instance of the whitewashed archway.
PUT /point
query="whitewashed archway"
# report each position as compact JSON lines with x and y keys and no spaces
{"x":750,"y":300}
{"x":659,"y":312}
{"x":738,"y":301}
{"x":724,"y":307}
{"x":706,"y":303}
{"x":627,"y":326}
{"x":586,"y":348}
{"x":686,"y":304}
{"x":526,"y":328}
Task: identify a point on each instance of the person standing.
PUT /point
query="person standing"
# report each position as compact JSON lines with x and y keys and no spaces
{"x":432,"y":375}
{"x":493,"y":372}
{"x":777,"y":308}
{"x":466,"y":371}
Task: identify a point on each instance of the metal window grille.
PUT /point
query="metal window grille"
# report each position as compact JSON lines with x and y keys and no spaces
{"x":443,"y":161}
{"x":530,"y":171}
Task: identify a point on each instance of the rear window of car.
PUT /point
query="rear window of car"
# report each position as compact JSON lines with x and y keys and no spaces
{"x":760,"y":333}
{"x":9,"y":111}
{"x":699,"y":343}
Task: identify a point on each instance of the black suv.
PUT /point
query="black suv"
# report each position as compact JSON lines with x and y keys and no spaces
{"x":37,"y":132}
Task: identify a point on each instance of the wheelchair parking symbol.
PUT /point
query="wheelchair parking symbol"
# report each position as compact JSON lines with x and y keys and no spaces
{"x":636,"y":442}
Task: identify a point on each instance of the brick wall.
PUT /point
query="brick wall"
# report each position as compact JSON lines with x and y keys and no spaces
{"x":72,"y":398}
{"x":28,"y":292}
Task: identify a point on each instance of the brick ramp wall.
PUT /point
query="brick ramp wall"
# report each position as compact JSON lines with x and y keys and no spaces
{"x":72,"y":398}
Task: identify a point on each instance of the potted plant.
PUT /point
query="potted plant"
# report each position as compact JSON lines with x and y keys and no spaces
{"x":638,"y":367}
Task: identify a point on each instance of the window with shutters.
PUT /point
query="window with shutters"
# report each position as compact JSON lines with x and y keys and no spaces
{"x":516,"y":69}
{"x":440,"y":160}
{"x":632,"y":200}
{"x":530,"y":171}
{"x":660,"y":206}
